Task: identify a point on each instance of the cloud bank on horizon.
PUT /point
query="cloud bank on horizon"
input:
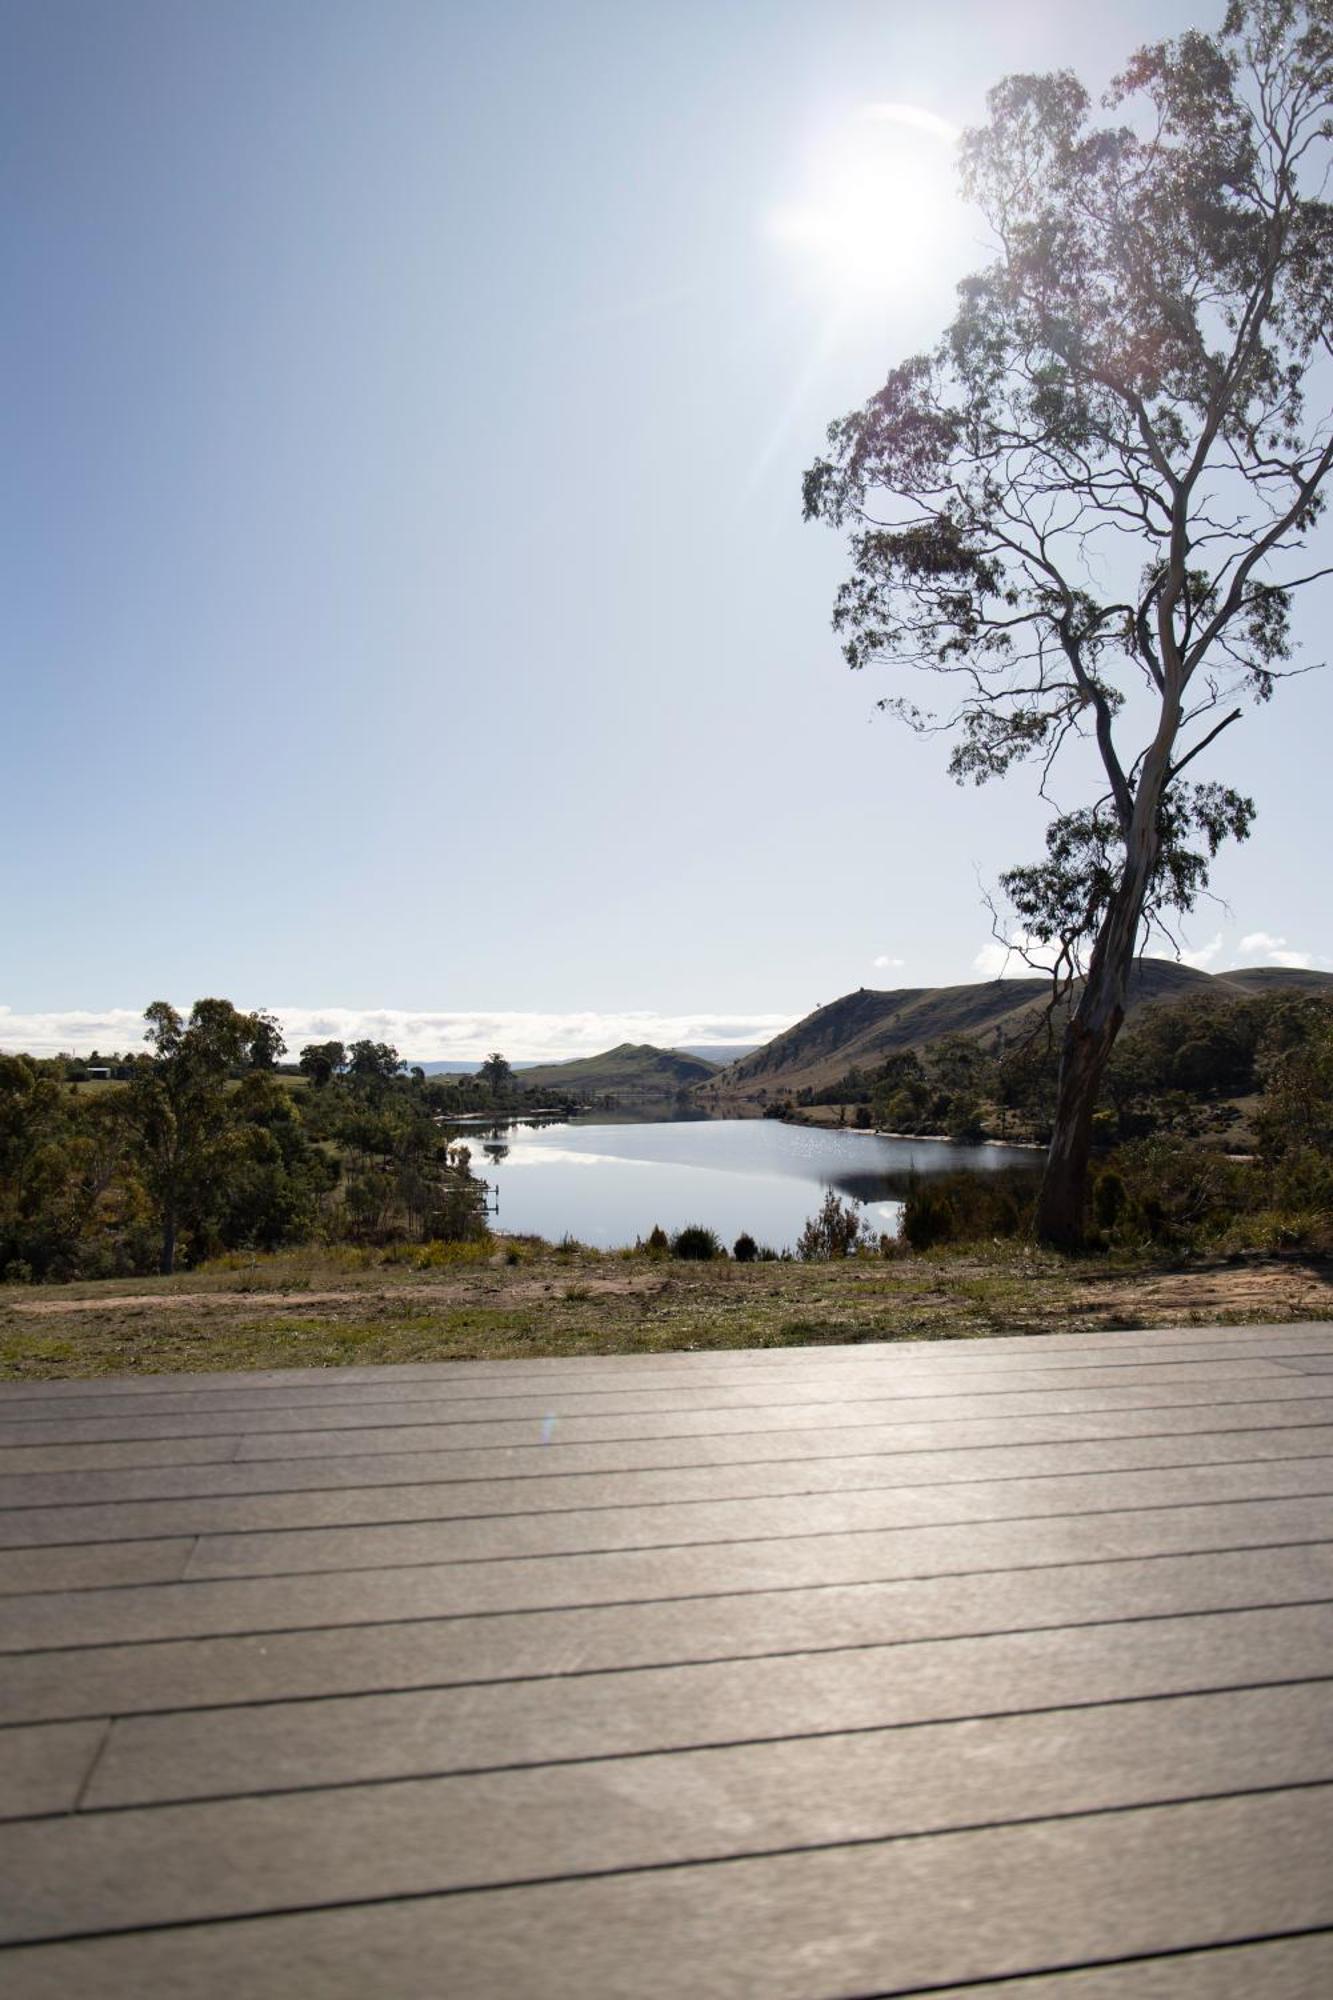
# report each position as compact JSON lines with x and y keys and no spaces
{"x":550,"y":1037}
{"x":419,"y":1037}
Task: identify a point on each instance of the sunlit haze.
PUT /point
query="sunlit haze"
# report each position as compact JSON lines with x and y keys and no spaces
{"x":883,"y":215}
{"x":409,"y":615}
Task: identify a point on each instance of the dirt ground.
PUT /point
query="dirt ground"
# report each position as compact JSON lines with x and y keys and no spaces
{"x":325,"y":1310}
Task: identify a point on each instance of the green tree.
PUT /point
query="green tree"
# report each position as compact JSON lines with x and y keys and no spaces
{"x":837,"y":1230}
{"x":1084,"y":508}
{"x":322,"y":1061}
{"x":178,"y":1098}
{"x":269,"y":1179}
{"x":374,"y":1062}
{"x":267,"y":1047}
{"x":496,"y":1074}
{"x":1296,"y":1064}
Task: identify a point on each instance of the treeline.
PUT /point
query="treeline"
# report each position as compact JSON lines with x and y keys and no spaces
{"x":1216,"y":1132}
{"x":203,"y":1143}
{"x":1176,"y":1070}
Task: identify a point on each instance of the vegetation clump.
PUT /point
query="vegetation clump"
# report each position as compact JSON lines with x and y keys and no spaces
{"x":967,"y":1208}
{"x":201,"y":1145}
{"x":696,"y":1244}
{"x":836,"y":1231}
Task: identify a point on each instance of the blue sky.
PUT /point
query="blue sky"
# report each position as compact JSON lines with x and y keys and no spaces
{"x":407,"y":603}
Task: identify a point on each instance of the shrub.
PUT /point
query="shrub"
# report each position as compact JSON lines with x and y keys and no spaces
{"x":1108,"y":1199}
{"x":439,"y":1254}
{"x":836,"y":1231}
{"x":963,"y":1121}
{"x":928,"y":1218}
{"x":695,"y":1243}
{"x":657,"y":1244}
{"x":963,"y":1208}
{"x":1176,"y":1194}
{"x":745,"y":1249}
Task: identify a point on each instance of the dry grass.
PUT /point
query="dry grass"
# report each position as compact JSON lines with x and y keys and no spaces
{"x":329,"y":1308}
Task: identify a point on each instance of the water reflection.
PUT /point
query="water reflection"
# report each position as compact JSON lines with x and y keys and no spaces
{"x":609,"y":1184}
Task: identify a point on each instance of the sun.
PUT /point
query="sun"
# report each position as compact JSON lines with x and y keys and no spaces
{"x":880,"y":205}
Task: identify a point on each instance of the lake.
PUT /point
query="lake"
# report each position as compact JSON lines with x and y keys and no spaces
{"x":609,"y":1184}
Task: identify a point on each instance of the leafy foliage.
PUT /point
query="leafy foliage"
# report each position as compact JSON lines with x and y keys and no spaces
{"x":1084,"y":510}
{"x":836,"y":1231}
{"x":696,"y":1244}
{"x":201,"y":1148}
{"x":496,"y":1074}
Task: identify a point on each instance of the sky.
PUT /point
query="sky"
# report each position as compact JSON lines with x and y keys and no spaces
{"x":408,"y":615}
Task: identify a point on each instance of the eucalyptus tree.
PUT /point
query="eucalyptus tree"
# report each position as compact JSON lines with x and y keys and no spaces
{"x":374,"y":1062}
{"x":179,"y":1104}
{"x":322,"y":1061}
{"x":496,"y":1074}
{"x":1087,"y":509}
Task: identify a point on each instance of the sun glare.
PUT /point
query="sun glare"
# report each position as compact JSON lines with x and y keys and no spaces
{"x":880,"y":203}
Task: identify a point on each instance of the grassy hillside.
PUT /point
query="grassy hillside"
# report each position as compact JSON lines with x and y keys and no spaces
{"x":634,"y":1069}
{"x":864,"y":1028}
{"x":1254,"y":979}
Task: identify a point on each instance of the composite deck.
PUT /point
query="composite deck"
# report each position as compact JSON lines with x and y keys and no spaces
{"x":810,"y":1672}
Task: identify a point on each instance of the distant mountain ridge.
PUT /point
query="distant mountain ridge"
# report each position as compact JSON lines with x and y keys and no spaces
{"x":634,"y":1069}
{"x":862,"y":1029}
{"x":712,"y":1053}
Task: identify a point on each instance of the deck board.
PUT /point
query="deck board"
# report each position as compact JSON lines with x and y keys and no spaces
{"x":864,"y":1669}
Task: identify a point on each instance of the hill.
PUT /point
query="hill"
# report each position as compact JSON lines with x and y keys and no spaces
{"x":712,"y":1053}
{"x":1255,"y":979}
{"x":634,"y":1069}
{"x":861,"y":1030}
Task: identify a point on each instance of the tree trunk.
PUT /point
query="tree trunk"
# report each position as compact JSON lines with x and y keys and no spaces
{"x":167,"y":1262}
{"x":1090,"y":1035}
{"x":1095,"y":1023}
{"x":1088,"y":1042}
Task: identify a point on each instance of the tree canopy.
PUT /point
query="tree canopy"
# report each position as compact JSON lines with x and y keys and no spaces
{"x":1087,"y":510}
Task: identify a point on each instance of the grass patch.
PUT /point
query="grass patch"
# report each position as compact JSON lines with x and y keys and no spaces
{"x":811,"y":1332}
{"x":334,"y":1308}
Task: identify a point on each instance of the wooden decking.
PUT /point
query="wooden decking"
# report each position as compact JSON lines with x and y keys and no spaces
{"x":842,"y":1671}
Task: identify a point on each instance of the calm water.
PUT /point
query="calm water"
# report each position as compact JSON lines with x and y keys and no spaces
{"x":608,"y":1184}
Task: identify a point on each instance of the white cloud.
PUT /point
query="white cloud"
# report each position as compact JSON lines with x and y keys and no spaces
{"x":421,"y":1037}
{"x":1260,"y":941}
{"x":1021,"y":955}
{"x":1275,"y":951}
{"x":1204,"y":956}
{"x":886,"y":964}
{"x":77,"y":1032}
